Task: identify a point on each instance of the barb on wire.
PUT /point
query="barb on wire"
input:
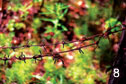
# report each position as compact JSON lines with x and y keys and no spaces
{"x":57,"y":57}
{"x":63,"y":42}
{"x":40,"y":55}
{"x":22,"y":57}
{"x":80,"y":51}
{"x":6,"y":58}
{"x":35,"y":58}
{"x":13,"y":48}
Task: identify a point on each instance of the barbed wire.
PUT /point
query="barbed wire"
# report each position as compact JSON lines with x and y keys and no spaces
{"x":56,"y":55}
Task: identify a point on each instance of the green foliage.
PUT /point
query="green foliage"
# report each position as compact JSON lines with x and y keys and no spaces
{"x":37,"y":0}
{"x":80,"y":71}
{"x":104,"y":54}
{"x":56,"y":10}
{"x":19,"y":25}
{"x":104,"y":45}
{"x":82,"y":30}
{"x":20,"y":72}
{"x":57,"y":14}
{"x":15,"y":1}
{"x":18,"y":7}
{"x":111,"y":22}
{"x":36,"y":24}
{"x":96,"y":11}
{"x":56,"y":75}
{"x":35,"y":49}
{"x":93,"y":12}
{"x":6,"y":40}
{"x":106,"y":12}
{"x":12,"y":25}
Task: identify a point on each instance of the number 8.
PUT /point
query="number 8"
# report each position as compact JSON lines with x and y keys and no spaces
{"x":116,"y":72}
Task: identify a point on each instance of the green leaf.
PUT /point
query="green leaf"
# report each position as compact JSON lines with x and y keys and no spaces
{"x":111,"y":22}
{"x":64,"y":28}
{"x":45,"y":19}
{"x":19,"y":25}
{"x":36,"y":23}
{"x":61,"y":16}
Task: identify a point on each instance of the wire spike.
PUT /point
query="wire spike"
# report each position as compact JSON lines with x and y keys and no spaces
{"x":81,"y":51}
{"x":13,"y":48}
{"x":24,"y":59}
{"x":63,"y":42}
{"x":55,"y":60}
{"x":40,"y":52}
{"x":5,"y":59}
{"x":35,"y":58}
{"x":20,"y":56}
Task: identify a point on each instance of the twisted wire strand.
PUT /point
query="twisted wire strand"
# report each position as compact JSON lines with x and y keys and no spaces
{"x":56,"y":55}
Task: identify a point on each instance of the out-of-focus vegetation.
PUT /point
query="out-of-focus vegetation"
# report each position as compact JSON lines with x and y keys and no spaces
{"x":55,"y":21}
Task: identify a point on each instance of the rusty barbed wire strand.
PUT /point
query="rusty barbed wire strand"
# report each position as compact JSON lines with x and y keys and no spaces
{"x":56,"y":55}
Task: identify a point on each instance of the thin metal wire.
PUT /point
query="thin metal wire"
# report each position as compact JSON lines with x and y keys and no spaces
{"x":56,"y":55}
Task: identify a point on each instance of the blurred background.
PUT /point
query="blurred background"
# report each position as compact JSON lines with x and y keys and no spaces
{"x":51,"y":21}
